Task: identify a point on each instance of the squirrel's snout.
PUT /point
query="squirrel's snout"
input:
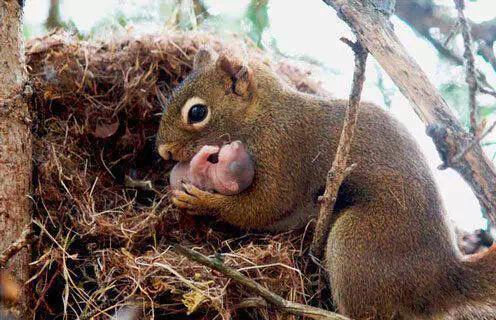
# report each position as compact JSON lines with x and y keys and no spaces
{"x":175,"y":152}
{"x":164,"y":151}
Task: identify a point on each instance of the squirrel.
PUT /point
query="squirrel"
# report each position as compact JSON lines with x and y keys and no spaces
{"x":231,"y":173}
{"x":390,"y":253}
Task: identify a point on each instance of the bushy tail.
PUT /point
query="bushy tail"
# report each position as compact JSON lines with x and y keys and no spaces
{"x":476,"y":299}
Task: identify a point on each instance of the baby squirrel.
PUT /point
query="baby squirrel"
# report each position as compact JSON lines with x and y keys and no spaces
{"x":230,"y":174}
{"x":390,"y":253}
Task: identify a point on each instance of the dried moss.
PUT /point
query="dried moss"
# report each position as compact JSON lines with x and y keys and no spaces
{"x":102,"y":209}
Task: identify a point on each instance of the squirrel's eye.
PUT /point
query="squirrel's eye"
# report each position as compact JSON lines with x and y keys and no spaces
{"x":197,"y":113}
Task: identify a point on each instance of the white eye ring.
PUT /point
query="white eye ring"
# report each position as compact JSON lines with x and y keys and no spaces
{"x":187,"y":107}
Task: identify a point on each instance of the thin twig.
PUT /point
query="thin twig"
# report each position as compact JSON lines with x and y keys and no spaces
{"x":15,"y":247}
{"x":491,"y":93}
{"x":272,"y":298}
{"x":339,"y":168}
{"x":452,"y":33}
{"x":256,"y":302}
{"x":424,"y":16}
{"x":469,"y":57}
{"x":486,"y":51}
{"x":478,"y":139}
{"x":420,"y":24}
{"x":455,"y":58}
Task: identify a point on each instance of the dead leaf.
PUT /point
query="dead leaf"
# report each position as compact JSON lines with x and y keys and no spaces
{"x":192,"y":300}
{"x":106,"y":130}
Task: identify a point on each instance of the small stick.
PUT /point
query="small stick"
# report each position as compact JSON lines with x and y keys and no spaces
{"x":486,"y":51}
{"x":15,"y":247}
{"x":452,"y":33}
{"x":485,"y":91}
{"x":459,"y":156}
{"x":469,"y":56}
{"x":339,"y":169}
{"x":454,"y":57}
{"x":272,"y":298}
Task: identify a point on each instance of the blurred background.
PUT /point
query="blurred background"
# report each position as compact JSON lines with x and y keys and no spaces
{"x":308,"y":32}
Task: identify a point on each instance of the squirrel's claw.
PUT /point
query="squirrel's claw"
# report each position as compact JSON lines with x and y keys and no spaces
{"x":176,"y":199}
{"x":202,"y":198}
{"x":193,"y":198}
{"x":184,"y":200}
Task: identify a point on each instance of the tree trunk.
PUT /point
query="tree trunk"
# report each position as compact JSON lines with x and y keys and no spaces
{"x":53,"y":20}
{"x":15,"y":141}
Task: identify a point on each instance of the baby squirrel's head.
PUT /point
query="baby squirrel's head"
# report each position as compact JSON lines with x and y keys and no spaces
{"x":208,"y":108}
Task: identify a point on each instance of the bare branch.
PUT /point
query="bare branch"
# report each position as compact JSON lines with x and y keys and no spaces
{"x":423,"y":15}
{"x":256,"y":302}
{"x":53,"y":21}
{"x":475,"y":142}
{"x":452,"y":56}
{"x":269,"y":296}
{"x":469,"y":56}
{"x":452,"y":33}
{"x":486,"y":51}
{"x":377,"y":36}
{"x":339,"y":170}
{"x":491,"y":93}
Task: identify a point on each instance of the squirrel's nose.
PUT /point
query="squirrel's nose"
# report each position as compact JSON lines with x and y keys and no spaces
{"x":164,"y":151}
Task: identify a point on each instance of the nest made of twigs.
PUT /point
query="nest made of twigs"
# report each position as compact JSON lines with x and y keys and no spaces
{"x":102,"y":210}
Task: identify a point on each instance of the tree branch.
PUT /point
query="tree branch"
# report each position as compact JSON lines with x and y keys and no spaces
{"x":53,"y":21}
{"x":484,"y":86}
{"x":486,"y":51}
{"x":424,"y":15}
{"x":474,"y":142}
{"x":272,"y":298}
{"x":470,"y":69}
{"x":373,"y":29}
{"x":339,"y":170}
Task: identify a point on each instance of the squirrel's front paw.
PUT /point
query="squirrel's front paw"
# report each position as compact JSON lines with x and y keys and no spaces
{"x":192,"y":198}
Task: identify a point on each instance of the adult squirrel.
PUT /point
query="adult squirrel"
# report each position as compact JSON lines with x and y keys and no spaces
{"x":390,"y":253}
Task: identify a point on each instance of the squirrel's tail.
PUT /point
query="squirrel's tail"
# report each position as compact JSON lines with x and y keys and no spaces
{"x":477,"y":289}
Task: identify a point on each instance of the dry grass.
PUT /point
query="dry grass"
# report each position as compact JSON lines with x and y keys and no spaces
{"x":102,"y":211}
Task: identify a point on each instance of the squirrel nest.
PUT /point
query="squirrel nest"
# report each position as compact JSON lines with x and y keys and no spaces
{"x":101,"y":207}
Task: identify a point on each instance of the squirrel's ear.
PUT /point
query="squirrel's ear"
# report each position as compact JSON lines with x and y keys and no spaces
{"x":240,"y":78}
{"x":202,"y":58}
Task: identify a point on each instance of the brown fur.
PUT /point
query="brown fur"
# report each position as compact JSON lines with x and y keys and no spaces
{"x":390,"y":253}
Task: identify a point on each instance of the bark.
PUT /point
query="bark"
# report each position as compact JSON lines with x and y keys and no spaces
{"x":375,"y":33}
{"x":15,"y":140}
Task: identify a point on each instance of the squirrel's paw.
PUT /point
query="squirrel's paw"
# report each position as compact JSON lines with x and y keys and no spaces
{"x":193,"y":198}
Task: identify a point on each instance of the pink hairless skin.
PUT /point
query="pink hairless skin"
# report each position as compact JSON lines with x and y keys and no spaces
{"x":232,"y":174}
